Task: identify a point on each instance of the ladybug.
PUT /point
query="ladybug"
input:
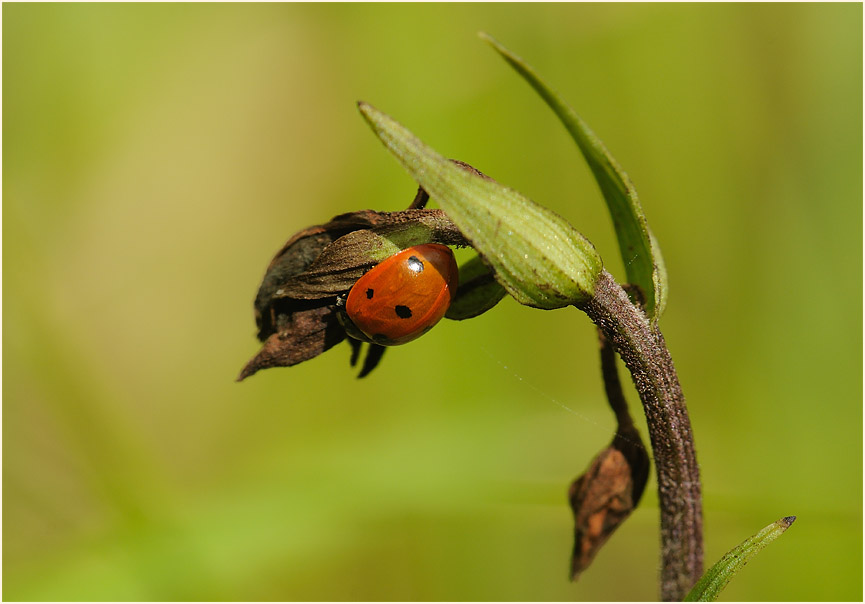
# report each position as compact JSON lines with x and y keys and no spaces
{"x":404,"y":296}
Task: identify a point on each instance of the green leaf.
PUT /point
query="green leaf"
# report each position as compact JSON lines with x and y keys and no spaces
{"x":641,"y":255}
{"x":716,"y":578}
{"x":537,"y":256}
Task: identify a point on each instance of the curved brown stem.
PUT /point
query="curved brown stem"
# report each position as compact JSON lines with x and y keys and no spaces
{"x":644,"y":352}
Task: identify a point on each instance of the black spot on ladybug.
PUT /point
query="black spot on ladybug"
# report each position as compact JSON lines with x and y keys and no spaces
{"x":415,"y":264}
{"x":403,"y":312}
{"x":369,"y":293}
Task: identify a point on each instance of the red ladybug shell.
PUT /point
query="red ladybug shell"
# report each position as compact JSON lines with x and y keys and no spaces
{"x":404,"y":296}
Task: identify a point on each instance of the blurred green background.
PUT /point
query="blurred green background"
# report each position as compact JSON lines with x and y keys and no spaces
{"x":156,"y":156}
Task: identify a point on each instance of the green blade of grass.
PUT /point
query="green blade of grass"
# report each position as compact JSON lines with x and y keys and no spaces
{"x":716,"y":578}
{"x":641,"y":255}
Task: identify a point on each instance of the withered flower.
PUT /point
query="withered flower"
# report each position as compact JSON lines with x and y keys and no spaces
{"x":298,"y":306}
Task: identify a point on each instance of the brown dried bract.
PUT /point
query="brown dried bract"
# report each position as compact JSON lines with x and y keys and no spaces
{"x":303,"y":335}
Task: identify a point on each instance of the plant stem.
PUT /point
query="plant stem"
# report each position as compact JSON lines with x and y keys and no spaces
{"x":612,"y":384}
{"x":645,"y":354}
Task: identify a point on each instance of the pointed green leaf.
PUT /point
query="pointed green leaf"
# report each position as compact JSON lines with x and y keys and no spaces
{"x":716,"y":578}
{"x":537,"y":256}
{"x":640,"y":252}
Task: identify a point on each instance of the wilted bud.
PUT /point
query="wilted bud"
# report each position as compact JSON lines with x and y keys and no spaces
{"x":605,"y":495}
{"x":296,"y":306}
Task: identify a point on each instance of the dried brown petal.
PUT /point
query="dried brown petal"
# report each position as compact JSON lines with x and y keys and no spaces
{"x":308,"y":333}
{"x":338,"y":266}
{"x":295,"y":257}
